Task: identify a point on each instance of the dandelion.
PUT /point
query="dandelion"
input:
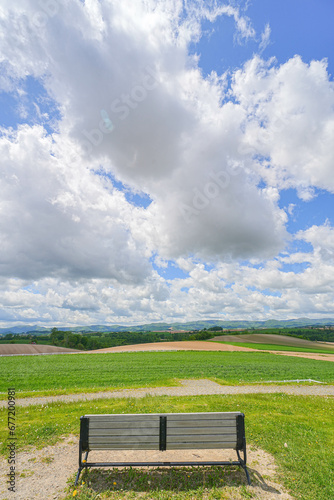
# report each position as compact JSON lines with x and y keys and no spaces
{"x":84,"y":461}
{"x":83,"y":482}
{"x":114,"y":483}
{"x":75,"y":493}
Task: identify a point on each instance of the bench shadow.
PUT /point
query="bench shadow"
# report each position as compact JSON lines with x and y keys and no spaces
{"x":258,"y":480}
{"x":171,"y":479}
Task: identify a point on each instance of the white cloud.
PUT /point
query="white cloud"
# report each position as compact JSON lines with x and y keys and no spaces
{"x":290,"y":121}
{"x":322,"y":240}
{"x":265,"y":38}
{"x":169,"y":133}
{"x":57,"y":218}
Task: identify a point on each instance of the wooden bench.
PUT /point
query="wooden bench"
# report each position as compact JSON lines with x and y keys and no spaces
{"x":172,"y":431}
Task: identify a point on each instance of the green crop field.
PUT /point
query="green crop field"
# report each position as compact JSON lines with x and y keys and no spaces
{"x":276,"y":347}
{"x":70,"y":373}
{"x":303,"y":423}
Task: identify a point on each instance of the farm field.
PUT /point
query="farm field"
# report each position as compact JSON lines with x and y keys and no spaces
{"x":273,"y":340}
{"x":184,"y":345}
{"x":298,"y":431}
{"x":278,"y":347}
{"x":73,"y":373}
{"x":26,"y":349}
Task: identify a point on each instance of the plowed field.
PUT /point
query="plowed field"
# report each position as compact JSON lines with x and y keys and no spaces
{"x":24,"y":349}
{"x":195,"y":345}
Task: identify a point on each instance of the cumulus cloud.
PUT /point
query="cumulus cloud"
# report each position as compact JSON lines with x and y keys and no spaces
{"x":132,"y":99}
{"x":290,"y":121}
{"x":57,"y":218}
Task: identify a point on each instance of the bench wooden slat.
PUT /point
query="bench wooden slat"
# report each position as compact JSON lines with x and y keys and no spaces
{"x":196,"y":427}
{"x":150,"y":446}
{"x":202,"y":431}
{"x":171,"y":416}
{"x":199,"y":423}
{"x":124,"y":439}
{"x":201,"y":416}
{"x":124,"y":425}
{"x":201,"y":437}
{"x":126,"y":446}
{"x":121,"y":418}
{"x":134,"y":431}
{"x":215,"y":445}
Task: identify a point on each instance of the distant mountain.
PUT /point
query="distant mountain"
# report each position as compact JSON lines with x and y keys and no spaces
{"x":192,"y":325}
{"x":24,"y":329}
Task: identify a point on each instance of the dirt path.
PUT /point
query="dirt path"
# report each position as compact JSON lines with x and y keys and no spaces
{"x":43,"y":474}
{"x":200,"y":387}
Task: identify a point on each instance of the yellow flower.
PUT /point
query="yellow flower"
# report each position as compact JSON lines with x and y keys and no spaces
{"x":84,"y":461}
{"x":114,"y":483}
{"x":74,"y":493}
{"x":83,"y":482}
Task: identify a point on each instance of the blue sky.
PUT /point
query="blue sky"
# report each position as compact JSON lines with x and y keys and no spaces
{"x":166,"y":160}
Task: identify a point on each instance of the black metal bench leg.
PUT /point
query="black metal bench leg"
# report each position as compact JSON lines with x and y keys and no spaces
{"x":247,"y":475}
{"x":81,"y":464}
{"x":244,"y":466}
{"x":77,"y":478}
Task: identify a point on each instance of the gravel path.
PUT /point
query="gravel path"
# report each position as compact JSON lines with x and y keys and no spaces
{"x":188,"y":388}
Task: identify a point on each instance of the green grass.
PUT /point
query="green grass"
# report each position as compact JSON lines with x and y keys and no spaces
{"x":70,"y":373}
{"x":304,"y":466}
{"x":275,"y":347}
{"x":164,"y":484}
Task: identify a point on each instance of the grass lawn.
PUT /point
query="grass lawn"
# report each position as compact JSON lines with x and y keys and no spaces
{"x":275,"y":347}
{"x":70,"y":373}
{"x":305,"y":424}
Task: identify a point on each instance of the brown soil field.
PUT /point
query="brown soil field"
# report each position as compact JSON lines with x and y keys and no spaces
{"x":199,"y":345}
{"x":309,"y":355}
{"x":263,"y":338}
{"x":196,"y":345}
{"x":26,"y":349}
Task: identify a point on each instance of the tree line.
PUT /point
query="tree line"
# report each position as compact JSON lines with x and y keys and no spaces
{"x":101,"y":340}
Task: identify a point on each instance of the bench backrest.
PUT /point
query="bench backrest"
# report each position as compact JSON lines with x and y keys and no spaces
{"x":162,"y":431}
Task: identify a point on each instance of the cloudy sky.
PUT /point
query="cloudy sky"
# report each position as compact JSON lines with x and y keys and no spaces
{"x":166,"y":160}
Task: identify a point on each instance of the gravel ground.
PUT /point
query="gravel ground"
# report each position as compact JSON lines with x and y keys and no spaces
{"x":44,"y":474}
{"x":187,"y":388}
